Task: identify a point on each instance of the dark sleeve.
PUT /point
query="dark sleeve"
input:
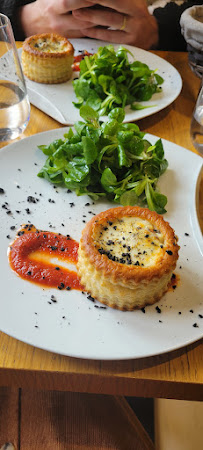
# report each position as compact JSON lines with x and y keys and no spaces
{"x":168,"y":18}
{"x":11,"y":8}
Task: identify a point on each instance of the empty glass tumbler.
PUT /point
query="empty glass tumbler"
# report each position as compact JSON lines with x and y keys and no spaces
{"x":196,"y":128}
{"x":14,"y":102}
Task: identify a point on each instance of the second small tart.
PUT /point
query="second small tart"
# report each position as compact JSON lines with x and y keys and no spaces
{"x":127,"y":256}
{"x":47,"y":58}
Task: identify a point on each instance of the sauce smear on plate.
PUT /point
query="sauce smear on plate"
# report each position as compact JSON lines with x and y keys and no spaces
{"x":32,"y":253}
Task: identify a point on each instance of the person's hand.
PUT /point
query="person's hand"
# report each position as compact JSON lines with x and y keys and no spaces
{"x":48,"y":16}
{"x":124,"y":21}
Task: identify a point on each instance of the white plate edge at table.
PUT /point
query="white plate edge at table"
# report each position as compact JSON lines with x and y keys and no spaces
{"x":51,"y":99}
{"x":113,"y":352}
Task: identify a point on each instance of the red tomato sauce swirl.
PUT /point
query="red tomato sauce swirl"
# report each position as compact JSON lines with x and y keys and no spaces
{"x":42,"y":271}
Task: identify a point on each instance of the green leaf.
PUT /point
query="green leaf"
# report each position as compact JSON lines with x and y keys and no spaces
{"x":108,"y":180}
{"x":88,"y":113}
{"x":89,"y":149}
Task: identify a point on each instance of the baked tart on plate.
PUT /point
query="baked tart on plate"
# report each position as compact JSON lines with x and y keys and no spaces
{"x":47,"y":58}
{"x":127,"y":256}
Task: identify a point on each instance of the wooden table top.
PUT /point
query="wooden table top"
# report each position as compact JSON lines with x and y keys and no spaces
{"x":178,"y":374}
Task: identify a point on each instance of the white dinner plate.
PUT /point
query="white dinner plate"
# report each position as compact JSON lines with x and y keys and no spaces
{"x":74,"y":325}
{"x":56,"y":100}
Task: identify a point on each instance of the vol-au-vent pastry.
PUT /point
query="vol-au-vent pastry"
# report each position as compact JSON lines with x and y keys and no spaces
{"x":127,"y":256}
{"x":47,"y":58}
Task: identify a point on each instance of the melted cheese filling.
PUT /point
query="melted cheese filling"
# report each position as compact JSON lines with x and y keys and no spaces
{"x":49,"y":46}
{"x":131,"y":241}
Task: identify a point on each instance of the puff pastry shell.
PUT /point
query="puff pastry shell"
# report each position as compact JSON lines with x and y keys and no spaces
{"x":47,"y":58}
{"x":127,"y":256}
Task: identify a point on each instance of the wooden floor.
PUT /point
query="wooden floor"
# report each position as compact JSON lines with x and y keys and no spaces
{"x":33,"y":420}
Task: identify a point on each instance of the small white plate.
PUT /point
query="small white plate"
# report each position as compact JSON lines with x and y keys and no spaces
{"x":74,"y":326}
{"x":56,"y":100}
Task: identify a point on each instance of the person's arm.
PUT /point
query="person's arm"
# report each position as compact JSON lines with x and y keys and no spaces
{"x":11,"y":8}
{"x":120,"y":21}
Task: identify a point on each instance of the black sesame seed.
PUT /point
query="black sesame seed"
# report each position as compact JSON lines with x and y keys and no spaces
{"x":158,"y":309}
{"x":2,"y":191}
{"x":195,"y":325}
{"x":169,"y":252}
{"x":200,"y":316}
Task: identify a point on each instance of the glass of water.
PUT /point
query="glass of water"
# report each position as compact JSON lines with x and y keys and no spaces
{"x":196,"y":128}
{"x":14,"y":102}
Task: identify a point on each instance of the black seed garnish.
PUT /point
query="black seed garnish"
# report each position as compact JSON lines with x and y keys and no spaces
{"x":169,"y":252}
{"x":173,"y":276}
{"x":20,"y":233}
{"x":109,"y":222}
{"x":62,"y":249}
{"x":87,"y":204}
{"x":68,"y":288}
{"x":29,"y":272}
{"x":8,"y":236}
{"x":62,"y":285}
{"x":191,"y":311}
{"x":174,"y":286}
{"x":137,"y":263}
{"x":27,"y":210}
{"x":31,"y":199}
{"x":2,"y":191}
{"x":9,"y":212}
{"x":187,"y":234}
{"x":91,"y":298}
{"x":180,"y":312}
{"x":51,"y":201}
{"x":68,"y":191}
{"x":160,"y":321}
{"x":158,"y":309}
{"x":57,"y":268}
{"x":161,"y":246}
{"x":195,"y":325}
{"x":200,"y":316}
{"x":72,"y":204}
{"x":143,"y":310}
{"x":146,"y":235}
{"x":36,"y":326}
{"x":53,"y":247}
{"x":12,"y":227}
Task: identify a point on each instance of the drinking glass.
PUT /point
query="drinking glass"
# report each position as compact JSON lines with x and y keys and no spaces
{"x":196,"y":128}
{"x":14,"y":102}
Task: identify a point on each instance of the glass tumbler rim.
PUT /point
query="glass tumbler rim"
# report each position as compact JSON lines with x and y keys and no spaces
{"x":6,"y":19}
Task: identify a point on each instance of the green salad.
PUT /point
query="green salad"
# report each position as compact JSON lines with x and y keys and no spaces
{"x":110,"y":159}
{"x":107,"y":80}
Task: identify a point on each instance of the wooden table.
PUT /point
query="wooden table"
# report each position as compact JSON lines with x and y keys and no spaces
{"x":178,"y":374}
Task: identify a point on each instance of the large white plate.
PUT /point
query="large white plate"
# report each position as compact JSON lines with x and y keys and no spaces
{"x":87,"y":331}
{"x":56,"y":100}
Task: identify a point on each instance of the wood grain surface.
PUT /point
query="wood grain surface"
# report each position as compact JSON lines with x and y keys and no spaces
{"x":51,"y":420}
{"x":178,"y":374}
